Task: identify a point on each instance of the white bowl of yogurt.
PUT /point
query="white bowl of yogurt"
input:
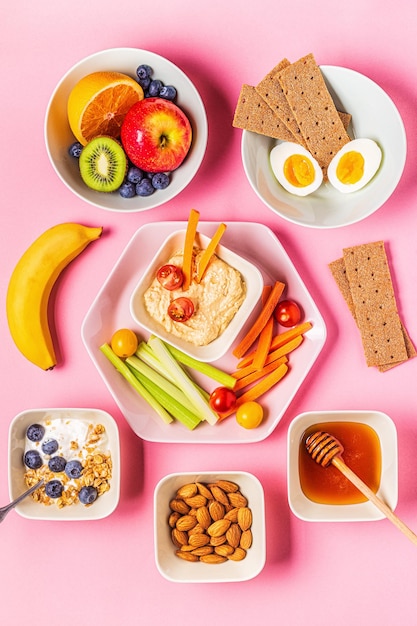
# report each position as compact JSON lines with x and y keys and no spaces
{"x":76,"y":452}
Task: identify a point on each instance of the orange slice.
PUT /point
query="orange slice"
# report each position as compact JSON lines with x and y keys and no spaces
{"x":99,"y":102}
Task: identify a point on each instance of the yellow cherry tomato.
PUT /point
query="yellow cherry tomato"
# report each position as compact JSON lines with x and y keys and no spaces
{"x":249,"y":414}
{"x":124,"y":342}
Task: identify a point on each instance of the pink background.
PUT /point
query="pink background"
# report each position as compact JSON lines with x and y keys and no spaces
{"x":104,"y":572}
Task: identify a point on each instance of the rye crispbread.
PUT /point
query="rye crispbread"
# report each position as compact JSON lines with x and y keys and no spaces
{"x":253,"y":113}
{"x":313,"y":108}
{"x":364,"y":280}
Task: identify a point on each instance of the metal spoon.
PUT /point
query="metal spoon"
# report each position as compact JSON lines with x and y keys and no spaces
{"x":325,"y":449}
{"x":5,"y":509}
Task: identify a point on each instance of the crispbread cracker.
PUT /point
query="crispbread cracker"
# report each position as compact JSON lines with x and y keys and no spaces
{"x":338,"y":270}
{"x":313,"y":108}
{"x":252,"y":113}
{"x":373,"y":297}
{"x":271,"y":91}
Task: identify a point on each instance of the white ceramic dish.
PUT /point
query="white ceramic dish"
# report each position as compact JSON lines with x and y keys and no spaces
{"x":374,"y":116}
{"x":58,"y":136}
{"x":103,"y":506}
{"x":310,"y":511}
{"x":216,"y":349}
{"x":111,"y":310}
{"x":177,"y":570}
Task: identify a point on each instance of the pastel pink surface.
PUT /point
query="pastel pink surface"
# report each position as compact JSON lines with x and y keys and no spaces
{"x":104,"y":571}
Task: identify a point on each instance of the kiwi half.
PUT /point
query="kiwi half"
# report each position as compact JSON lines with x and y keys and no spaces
{"x":103,"y":164}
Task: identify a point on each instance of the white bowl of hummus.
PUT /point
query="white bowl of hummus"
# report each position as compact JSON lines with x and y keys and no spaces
{"x":223,"y":300}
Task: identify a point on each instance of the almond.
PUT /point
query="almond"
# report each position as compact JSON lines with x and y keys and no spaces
{"x":237,"y":499}
{"x":217,"y":541}
{"x":232,"y":514}
{"x":246,"y":539}
{"x":203,"y":550}
{"x":198,"y":539}
{"x":233,"y":535}
{"x":238,"y":555}
{"x":186,"y":491}
{"x":179,"y":505}
{"x":196,"y":501}
{"x":203,"y":516}
{"x":244,"y":517}
{"x":187,"y":556}
{"x":204,"y":491}
{"x":227,"y":486}
{"x":198,"y":528}
{"x":218,"y":528}
{"x":224,"y":550}
{"x":219,"y":494}
{"x":216,"y":510}
{"x":213,"y":558}
{"x":172,"y":520}
{"x":186,"y":522}
{"x":179,"y":537}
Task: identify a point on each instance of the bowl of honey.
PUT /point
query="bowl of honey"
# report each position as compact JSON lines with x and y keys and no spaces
{"x":324,"y":494}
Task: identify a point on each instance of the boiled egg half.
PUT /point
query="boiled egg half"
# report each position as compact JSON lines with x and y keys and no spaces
{"x":354,"y":165}
{"x":295,"y":168}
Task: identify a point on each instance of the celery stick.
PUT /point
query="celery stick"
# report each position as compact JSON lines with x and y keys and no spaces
{"x":170,"y":388}
{"x":123,"y":369}
{"x":183,"y":381}
{"x":171,"y":404}
{"x":205,"y":368}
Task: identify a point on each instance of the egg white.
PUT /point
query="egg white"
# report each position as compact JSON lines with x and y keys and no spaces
{"x":372,"y":156}
{"x":278,"y":156}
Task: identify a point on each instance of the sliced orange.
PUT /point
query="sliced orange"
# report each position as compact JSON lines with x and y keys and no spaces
{"x":99,"y":102}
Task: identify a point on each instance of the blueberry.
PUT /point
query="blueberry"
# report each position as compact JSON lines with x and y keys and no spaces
{"x":144,"y":71}
{"x":144,"y":83}
{"x":75,"y":149}
{"x":160,"y":180}
{"x":57,"y":464}
{"x":145,"y":188}
{"x":134,"y":174}
{"x":35,"y":432}
{"x":54,"y":488}
{"x":127,"y":190}
{"x":87,"y":495}
{"x":73,"y":469}
{"x":50,"y":446}
{"x":168,"y":92}
{"x":32,"y":459}
{"x":154,"y":88}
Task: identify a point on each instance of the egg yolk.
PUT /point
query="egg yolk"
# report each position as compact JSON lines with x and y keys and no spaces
{"x":299,"y":170}
{"x":350,"y":168}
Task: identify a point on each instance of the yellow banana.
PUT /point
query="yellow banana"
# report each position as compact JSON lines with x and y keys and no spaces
{"x":31,"y":284}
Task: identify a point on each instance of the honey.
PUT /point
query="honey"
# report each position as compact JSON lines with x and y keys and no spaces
{"x":362,"y":453}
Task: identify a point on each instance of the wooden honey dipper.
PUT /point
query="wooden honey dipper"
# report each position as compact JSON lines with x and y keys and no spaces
{"x":325,"y":450}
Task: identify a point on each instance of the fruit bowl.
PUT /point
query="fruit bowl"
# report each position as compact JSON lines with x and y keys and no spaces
{"x":177,"y":570}
{"x":65,"y":425}
{"x":58,"y":135}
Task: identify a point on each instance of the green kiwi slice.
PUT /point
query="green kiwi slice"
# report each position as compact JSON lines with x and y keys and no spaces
{"x":103,"y":164}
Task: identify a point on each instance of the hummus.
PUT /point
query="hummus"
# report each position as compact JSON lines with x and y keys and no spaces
{"x":216,"y":300}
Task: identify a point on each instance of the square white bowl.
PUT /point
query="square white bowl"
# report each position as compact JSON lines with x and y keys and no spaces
{"x":103,"y":506}
{"x":177,"y":570}
{"x":310,"y":511}
{"x":217,"y":348}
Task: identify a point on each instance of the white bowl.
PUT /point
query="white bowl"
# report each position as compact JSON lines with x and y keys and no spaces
{"x":175,"y":569}
{"x":217,"y":348}
{"x":58,"y":136}
{"x":105,"y":503}
{"x":374,"y":116}
{"x":310,"y":511}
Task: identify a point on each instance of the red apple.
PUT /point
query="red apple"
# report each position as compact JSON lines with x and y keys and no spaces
{"x":156,"y":135}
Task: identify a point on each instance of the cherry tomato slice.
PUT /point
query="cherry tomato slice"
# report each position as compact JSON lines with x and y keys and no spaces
{"x":181,"y":309}
{"x":250,"y":414}
{"x":124,"y":342}
{"x":170,"y":276}
{"x":287,"y":313}
{"x":222,"y":399}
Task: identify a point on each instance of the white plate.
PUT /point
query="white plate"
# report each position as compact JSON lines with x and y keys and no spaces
{"x":110,"y":311}
{"x":375,"y":116}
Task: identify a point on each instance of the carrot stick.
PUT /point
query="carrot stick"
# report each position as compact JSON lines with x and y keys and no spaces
{"x":252,"y":377}
{"x":265,"y":337}
{"x":190,"y":234}
{"x":279,"y":340}
{"x":260,"y":321}
{"x":259,"y":388}
{"x":272,"y":356}
{"x":209,"y":251}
